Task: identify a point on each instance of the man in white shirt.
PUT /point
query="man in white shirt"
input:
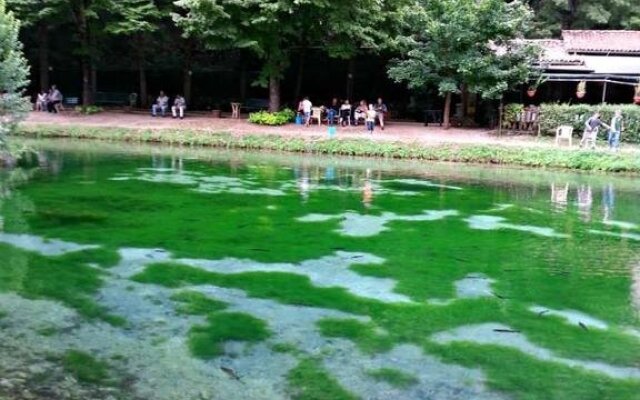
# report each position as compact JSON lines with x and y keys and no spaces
{"x":306,"y":110}
{"x":162,"y":103}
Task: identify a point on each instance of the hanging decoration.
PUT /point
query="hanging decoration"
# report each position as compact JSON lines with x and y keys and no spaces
{"x":581,"y":91}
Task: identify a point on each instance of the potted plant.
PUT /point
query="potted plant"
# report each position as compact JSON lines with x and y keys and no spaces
{"x":581,"y":91}
{"x":533,"y":88}
{"x":636,"y":95}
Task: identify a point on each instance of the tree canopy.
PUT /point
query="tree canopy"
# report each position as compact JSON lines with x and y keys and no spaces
{"x":271,"y":29}
{"x":13,"y":75}
{"x":465,"y":44}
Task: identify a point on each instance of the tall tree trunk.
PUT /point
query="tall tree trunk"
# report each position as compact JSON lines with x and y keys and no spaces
{"x":243,"y":82}
{"x":274,"y":93}
{"x":82,"y":26}
{"x":142,"y":72}
{"x":350,"y":77}
{"x":298,"y":90}
{"x":94,"y":81}
{"x":186,"y":84}
{"x":86,"y":82}
{"x":447,"y":111}
{"x":43,"y":56}
{"x":186,"y":73}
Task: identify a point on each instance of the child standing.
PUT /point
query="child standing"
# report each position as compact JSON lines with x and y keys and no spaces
{"x":371,"y":119}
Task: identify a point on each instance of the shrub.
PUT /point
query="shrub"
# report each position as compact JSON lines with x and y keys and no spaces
{"x":277,"y":118}
{"x":88,"y":110}
{"x":554,"y":115}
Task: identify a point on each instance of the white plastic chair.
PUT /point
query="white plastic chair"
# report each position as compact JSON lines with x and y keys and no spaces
{"x":316,"y":113}
{"x":564,"y":132}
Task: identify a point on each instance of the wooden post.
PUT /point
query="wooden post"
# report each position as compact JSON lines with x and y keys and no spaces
{"x":500,"y":117}
{"x":604,"y":93}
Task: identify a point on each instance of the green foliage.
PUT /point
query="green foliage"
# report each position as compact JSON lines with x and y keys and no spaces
{"x":470,"y":43}
{"x":206,"y":341}
{"x":552,"y":16}
{"x":553,"y":115}
{"x":13,"y":76}
{"x":309,"y":381}
{"x":66,"y":278}
{"x":89,"y":110}
{"x":196,"y":303}
{"x":85,"y":367}
{"x":393,"y":377}
{"x":363,"y":334}
{"x":272,"y":118}
{"x":482,"y":154}
{"x":511,"y":113}
{"x":271,"y":28}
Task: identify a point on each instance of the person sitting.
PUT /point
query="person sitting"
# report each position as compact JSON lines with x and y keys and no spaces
{"x":54,"y":100}
{"x":41,"y":101}
{"x":381,"y":110}
{"x":179,"y":105}
{"x":345,"y":113}
{"x":332,"y":111}
{"x":360,"y":112}
{"x":162,"y":103}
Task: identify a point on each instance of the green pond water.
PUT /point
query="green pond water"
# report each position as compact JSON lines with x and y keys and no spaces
{"x":132,"y":272}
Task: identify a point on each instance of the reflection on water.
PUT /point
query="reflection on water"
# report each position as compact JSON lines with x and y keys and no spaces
{"x":240,"y":276}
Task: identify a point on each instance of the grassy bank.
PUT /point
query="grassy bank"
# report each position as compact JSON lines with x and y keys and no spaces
{"x":469,"y":153}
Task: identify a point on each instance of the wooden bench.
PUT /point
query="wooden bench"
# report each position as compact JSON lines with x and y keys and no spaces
{"x":68,"y":101}
{"x":112,"y":98}
{"x":255,"y":105}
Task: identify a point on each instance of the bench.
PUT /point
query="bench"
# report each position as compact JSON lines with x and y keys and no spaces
{"x":68,"y":101}
{"x":255,"y":105}
{"x":71,"y":101}
{"x":112,"y":98}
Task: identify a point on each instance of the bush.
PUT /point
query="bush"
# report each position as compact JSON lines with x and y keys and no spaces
{"x":277,"y":118}
{"x":554,"y":115}
{"x":88,"y":110}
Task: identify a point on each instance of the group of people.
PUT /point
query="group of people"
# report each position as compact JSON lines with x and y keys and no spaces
{"x":50,"y":101}
{"x":592,"y":127}
{"x":344,"y":113}
{"x":161,"y":106}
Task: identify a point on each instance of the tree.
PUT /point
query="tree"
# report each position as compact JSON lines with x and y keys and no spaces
{"x":43,"y":15}
{"x":272,"y":29}
{"x":551,"y":16}
{"x":137,"y":20}
{"x":14,"y":73}
{"x":471,"y":44}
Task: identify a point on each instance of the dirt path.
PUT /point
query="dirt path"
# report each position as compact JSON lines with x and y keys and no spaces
{"x":395,"y":131}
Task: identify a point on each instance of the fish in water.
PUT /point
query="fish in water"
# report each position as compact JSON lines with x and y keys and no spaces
{"x":583,"y":326}
{"x":498,"y":296}
{"x":506,"y":331}
{"x":230,"y":371}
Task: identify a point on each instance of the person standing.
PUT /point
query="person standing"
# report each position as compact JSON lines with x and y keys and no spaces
{"x":616,"y":128}
{"x":161,"y":104}
{"x":179,"y":105}
{"x":591,"y":128}
{"x":54,"y":100}
{"x":306,"y":110}
{"x":382,"y":110}
{"x":371,"y":119}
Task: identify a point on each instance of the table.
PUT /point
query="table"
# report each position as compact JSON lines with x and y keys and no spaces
{"x":235,"y":110}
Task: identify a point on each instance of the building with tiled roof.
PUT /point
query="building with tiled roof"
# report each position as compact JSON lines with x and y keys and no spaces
{"x":609,"y":61}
